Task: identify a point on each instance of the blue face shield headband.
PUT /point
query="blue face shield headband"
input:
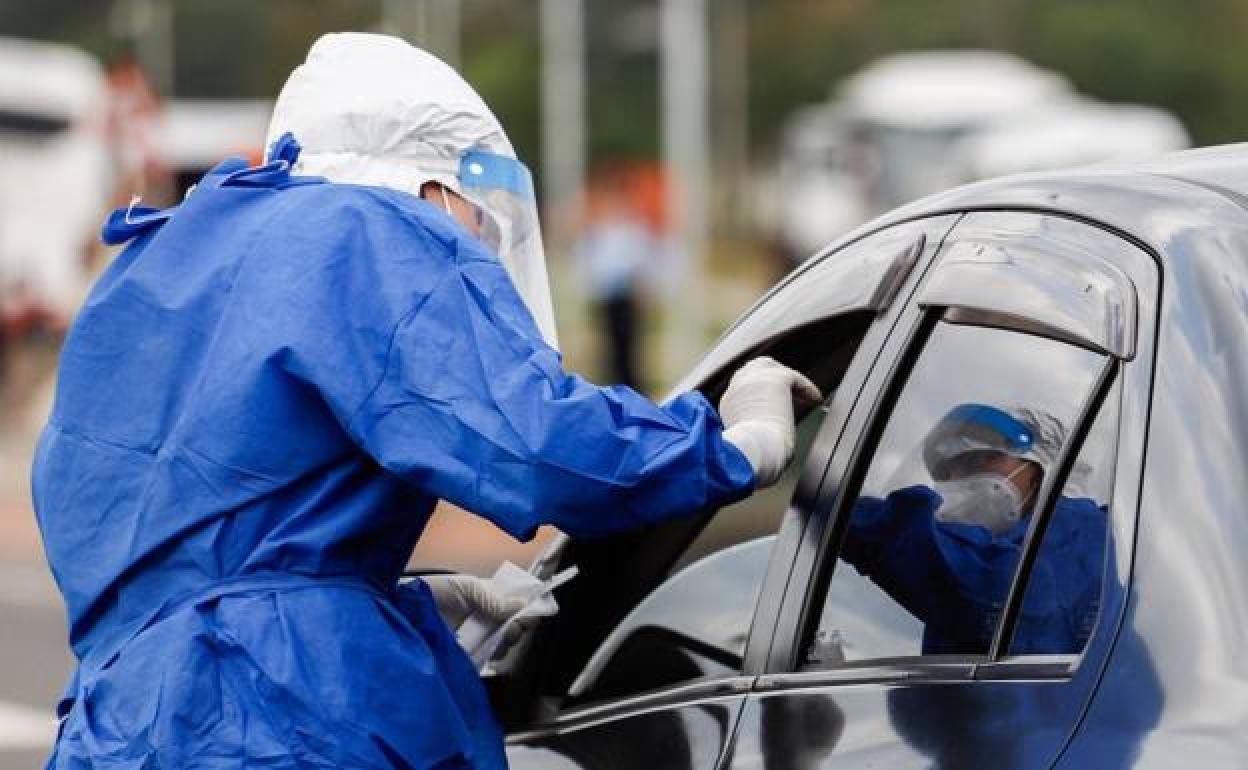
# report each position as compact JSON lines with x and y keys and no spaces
{"x":975,"y":428}
{"x":487,"y":171}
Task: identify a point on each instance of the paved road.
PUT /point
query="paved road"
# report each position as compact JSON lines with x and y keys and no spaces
{"x":33,"y":667}
{"x":34,"y":661}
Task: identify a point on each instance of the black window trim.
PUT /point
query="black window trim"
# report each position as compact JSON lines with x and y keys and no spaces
{"x":812,"y":500}
{"x":881,"y":408}
{"x":836,"y":502}
{"x":787,"y":643}
{"x":677,"y":695}
{"x":1140,"y":260}
{"x":904,"y":263}
{"x":767,"y":632}
{"x":1050,"y":490}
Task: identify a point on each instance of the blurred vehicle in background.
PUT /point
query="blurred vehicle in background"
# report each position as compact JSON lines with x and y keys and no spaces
{"x":73,"y":142}
{"x":56,"y":177}
{"x":913,"y":124}
{"x":196,"y":134}
{"x":819,"y":166}
{"x":1073,"y":134}
{"x":910,"y":111}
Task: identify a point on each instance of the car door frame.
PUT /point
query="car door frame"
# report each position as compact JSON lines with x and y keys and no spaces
{"x":862,"y":407}
{"x":890,"y":300}
{"x":793,"y":534}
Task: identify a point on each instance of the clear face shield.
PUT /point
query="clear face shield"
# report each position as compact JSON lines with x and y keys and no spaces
{"x":972,"y":431}
{"x":502,"y":190}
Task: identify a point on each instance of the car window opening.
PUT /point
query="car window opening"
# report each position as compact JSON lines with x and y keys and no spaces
{"x":692,"y":621}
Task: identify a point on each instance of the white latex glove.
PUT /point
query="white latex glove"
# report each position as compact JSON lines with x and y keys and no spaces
{"x":483,"y":638}
{"x":489,"y":615}
{"x":459,"y":596}
{"x":757,"y":410}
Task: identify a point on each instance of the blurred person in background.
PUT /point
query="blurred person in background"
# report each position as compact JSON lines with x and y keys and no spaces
{"x":268,"y":391}
{"x":615,"y":252}
{"x":133,"y":122}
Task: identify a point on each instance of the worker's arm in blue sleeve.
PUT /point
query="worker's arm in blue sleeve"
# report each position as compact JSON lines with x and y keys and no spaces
{"x":877,"y":526}
{"x":473,"y":407}
{"x":894,"y":542}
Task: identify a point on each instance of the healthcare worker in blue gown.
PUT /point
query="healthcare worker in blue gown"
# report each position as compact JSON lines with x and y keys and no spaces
{"x":948,"y":551}
{"x":269,"y":389}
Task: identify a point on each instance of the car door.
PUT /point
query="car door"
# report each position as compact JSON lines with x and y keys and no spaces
{"x":664,"y":632}
{"x":912,"y":639}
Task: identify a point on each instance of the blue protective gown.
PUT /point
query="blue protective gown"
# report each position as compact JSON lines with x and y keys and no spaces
{"x":258,"y":407}
{"x":955,"y":577}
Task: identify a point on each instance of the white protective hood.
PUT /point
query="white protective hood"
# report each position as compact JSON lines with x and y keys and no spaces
{"x":374,"y":110}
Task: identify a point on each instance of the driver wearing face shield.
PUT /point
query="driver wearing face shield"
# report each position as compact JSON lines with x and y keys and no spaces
{"x":948,"y":552}
{"x":269,"y":390}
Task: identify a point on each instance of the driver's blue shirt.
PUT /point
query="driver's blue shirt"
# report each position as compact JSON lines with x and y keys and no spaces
{"x":258,"y":407}
{"x":955,"y":577}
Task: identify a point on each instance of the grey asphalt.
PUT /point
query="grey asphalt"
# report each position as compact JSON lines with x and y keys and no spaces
{"x":34,"y":665}
{"x":34,"y":658}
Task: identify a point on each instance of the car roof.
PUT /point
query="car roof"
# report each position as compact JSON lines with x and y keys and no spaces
{"x":1192,"y":193}
{"x":1224,"y":166}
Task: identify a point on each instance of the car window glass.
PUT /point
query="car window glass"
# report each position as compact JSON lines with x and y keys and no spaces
{"x":1063,"y":593}
{"x":933,"y":539}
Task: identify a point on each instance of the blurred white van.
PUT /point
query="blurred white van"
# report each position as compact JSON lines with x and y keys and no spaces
{"x":916,"y":123}
{"x":56,"y":177}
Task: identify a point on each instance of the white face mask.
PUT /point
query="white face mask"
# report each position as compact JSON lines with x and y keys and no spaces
{"x":987,"y":500}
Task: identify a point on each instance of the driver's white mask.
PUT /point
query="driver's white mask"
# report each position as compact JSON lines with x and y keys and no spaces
{"x":988,"y":500}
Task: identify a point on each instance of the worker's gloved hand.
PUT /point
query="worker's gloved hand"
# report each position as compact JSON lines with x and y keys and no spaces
{"x":459,"y":596}
{"x":757,"y":410}
{"x":488,"y":615}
